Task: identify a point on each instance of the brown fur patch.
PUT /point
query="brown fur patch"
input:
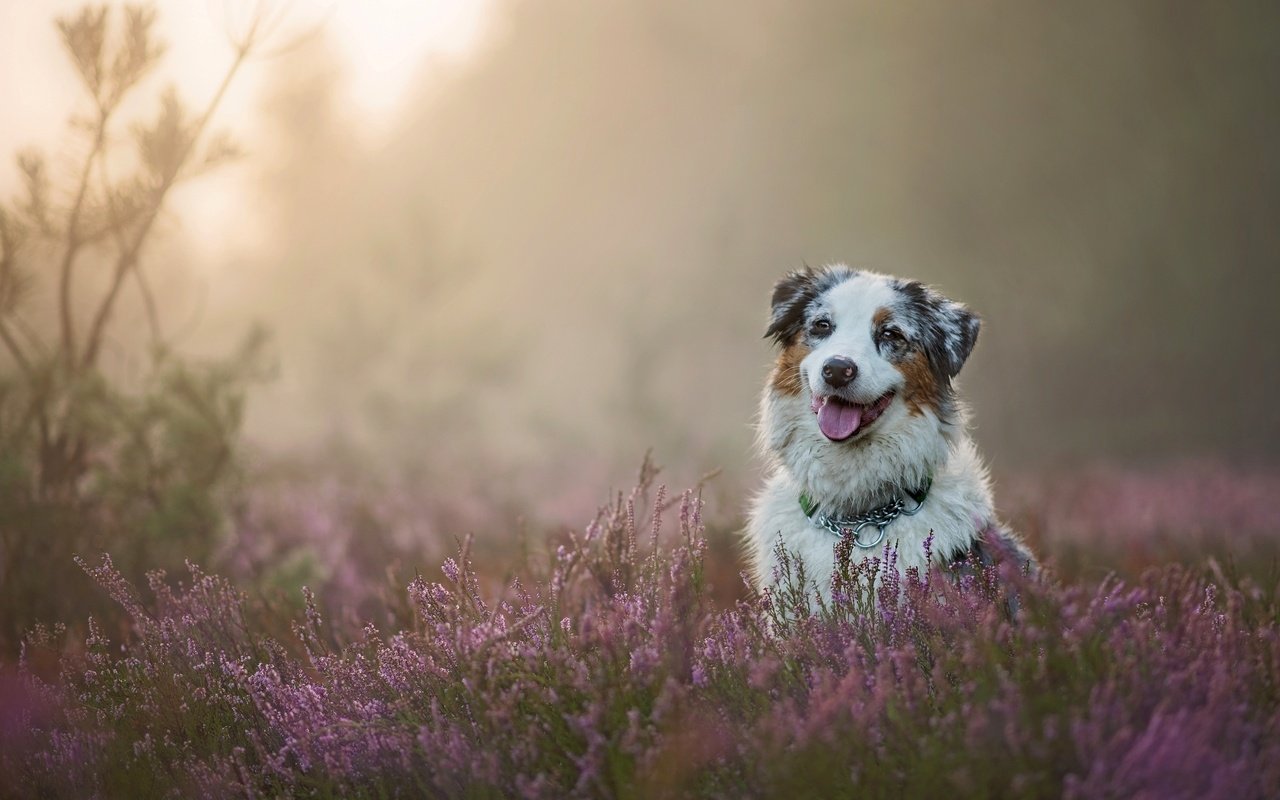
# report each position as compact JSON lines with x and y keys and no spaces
{"x":882,"y":316}
{"x":786,"y":372}
{"x":922,"y":389}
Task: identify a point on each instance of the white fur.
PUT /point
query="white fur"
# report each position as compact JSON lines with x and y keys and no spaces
{"x":851,"y":306}
{"x":898,"y":451}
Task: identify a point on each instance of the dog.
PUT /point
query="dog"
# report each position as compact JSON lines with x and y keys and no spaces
{"x":863,"y":431}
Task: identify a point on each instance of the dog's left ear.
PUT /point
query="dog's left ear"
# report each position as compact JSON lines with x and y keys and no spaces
{"x":958,"y":333}
{"x":791,"y":296}
{"x":950,"y":329}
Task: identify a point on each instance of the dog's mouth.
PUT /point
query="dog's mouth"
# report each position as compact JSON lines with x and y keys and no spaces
{"x":839,"y":419}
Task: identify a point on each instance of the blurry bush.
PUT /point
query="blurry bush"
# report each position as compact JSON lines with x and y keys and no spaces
{"x":135,"y":456}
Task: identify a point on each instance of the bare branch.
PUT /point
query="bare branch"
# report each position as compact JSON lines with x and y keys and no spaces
{"x":85,"y":36}
{"x":129,"y":258}
{"x":116,"y":224}
{"x":74,"y":241}
{"x":149,"y":304}
{"x":35,"y":179}
{"x":86,"y":40}
{"x":138,"y":53}
{"x":264,"y":22}
{"x":15,"y":349}
{"x":13,"y":283}
{"x":34,"y":342}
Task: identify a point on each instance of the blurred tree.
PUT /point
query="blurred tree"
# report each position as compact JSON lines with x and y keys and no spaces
{"x":88,"y":459}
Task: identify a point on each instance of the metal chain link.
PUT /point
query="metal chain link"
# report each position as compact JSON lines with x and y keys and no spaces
{"x":852,"y":526}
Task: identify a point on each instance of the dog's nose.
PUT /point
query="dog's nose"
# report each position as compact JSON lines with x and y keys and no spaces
{"x":839,"y":372}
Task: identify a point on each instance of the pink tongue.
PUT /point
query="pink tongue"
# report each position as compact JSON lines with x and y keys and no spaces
{"x":838,"y":420}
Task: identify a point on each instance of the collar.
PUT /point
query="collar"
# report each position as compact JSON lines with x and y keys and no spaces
{"x":880,"y":516}
{"x":810,"y":507}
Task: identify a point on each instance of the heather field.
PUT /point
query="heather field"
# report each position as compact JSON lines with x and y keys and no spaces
{"x":628,"y":659}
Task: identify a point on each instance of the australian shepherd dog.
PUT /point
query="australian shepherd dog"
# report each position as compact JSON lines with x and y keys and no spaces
{"x":863,"y":432}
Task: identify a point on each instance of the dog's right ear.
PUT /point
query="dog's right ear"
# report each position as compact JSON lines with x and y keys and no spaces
{"x":791,"y":296}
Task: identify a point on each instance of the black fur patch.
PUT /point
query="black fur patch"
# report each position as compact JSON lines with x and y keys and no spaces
{"x":794,"y":293}
{"x":948,"y":330}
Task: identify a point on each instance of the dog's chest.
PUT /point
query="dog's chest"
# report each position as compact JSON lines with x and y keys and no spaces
{"x":952,"y":513}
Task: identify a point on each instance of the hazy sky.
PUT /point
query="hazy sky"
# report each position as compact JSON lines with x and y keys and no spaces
{"x":384,"y":46}
{"x":513,"y":234}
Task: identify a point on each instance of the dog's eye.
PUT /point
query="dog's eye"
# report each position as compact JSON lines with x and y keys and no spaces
{"x":891,"y":334}
{"x":820,"y":327}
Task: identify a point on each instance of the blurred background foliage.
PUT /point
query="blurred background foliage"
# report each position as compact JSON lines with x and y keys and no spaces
{"x":554,"y":250}
{"x":619,"y":185}
{"x":135,"y":457}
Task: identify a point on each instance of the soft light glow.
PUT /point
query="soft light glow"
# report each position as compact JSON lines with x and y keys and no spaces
{"x":386,"y":42}
{"x":385,"y":45}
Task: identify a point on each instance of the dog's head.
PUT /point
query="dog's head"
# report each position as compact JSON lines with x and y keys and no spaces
{"x":871,"y":355}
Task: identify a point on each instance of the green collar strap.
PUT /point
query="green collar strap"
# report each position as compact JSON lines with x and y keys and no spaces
{"x":810,"y":507}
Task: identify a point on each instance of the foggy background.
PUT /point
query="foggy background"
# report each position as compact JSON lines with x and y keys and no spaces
{"x":525,"y":250}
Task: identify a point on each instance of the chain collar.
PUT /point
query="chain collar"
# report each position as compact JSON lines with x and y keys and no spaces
{"x":880,"y":517}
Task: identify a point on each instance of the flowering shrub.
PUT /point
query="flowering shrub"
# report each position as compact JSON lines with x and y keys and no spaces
{"x":611,"y":673}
